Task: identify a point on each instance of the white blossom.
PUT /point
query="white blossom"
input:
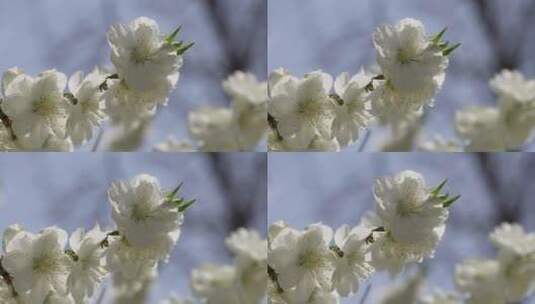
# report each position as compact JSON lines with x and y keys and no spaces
{"x":517,"y":260}
{"x":88,"y":112}
{"x":36,"y":106}
{"x":303,"y":259}
{"x":351,"y":113}
{"x":215,"y":284}
{"x":481,"y":280}
{"x":406,"y":292}
{"x":413,"y":66}
{"x":148,"y":66}
{"x":88,"y":267}
{"x":171,"y":144}
{"x":412,"y":216}
{"x":299,"y":104}
{"x":37,"y":263}
{"x":353,"y":266}
{"x":148,"y":225}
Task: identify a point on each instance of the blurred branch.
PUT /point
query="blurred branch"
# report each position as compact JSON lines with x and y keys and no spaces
{"x":238,"y":52}
{"x":507,"y":47}
{"x":241,"y":199}
{"x":506,"y":204}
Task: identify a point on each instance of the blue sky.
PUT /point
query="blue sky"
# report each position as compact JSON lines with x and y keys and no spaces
{"x":69,"y":191}
{"x":336,"y":189}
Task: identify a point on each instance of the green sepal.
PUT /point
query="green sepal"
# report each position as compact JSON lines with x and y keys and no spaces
{"x":449,"y":50}
{"x":438,"y":37}
{"x":447,"y":203}
{"x":171,"y":195}
{"x":436,"y":191}
{"x":171,"y":37}
{"x":182,"y":49}
{"x":182,"y":204}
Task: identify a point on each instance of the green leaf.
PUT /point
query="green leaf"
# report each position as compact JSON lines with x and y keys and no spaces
{"x":436,"y":191}
{"x":450,"y":201}
{"x":185,"y":205}
{"x":171,"y":37}
{"x":450,"y":49}
{"x":171,"y":195}
{"x":181,"y":50}
{"x":438,"y":37}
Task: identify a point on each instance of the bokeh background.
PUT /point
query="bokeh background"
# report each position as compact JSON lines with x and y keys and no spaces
{"x":70,"y":191}
{"x":230,"y":35}
{"x":336,"y":36}
{"x":337,"y":189}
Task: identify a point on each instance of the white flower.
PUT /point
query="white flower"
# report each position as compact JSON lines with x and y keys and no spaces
{"x":404,"y":134}
{"x":8,"y":77}
{"x":405,"y":293}
{"x":304,"y":140}
{"x":215,"y":129}
{"x":171,"y":144}
{"x":127,"y":107}
{"x":440,"y":144}
{"x":87,"y":113}
{"x":440,"y":297}
{"x":140,"y":211}
{"x":146,"y":64}
{"x":351,"y":113}
{"x":247,"y":243}
{"x":481,"y":128}
{"x":352,"y":266}
{"x":54,"y":298}
{"x":38,"y":263}
{"x":299,"y":104}
{"x":245,"y":89}
{"x":516,"y":258}
{"x":303,"y":259}
{"x":176,"y":300}
{"x":481,"y":280}
{"x":313,"y":295}
{"x":414,"y":67}
{"x":148,"y":225}
{"x":512,"y":87}
{"x":36,"y":106}
{"x":88,"y":267}
{"x":6,"y":294}
{"x":516,"y":101}
{"x":215,"y":284}
{"x":275,"y":229}
{"x":413,"y":218}
{"x":251,"y":262}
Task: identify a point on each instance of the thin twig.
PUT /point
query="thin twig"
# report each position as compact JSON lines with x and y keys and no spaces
{"x":364,"y":141}
{"x":101,"y":295}
{"x":366,"y":294}
{"x":98,"y":140}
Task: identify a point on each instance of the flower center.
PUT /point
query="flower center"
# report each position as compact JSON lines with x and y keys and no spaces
{"x":141,"y":54}
{"x":309,"y":108}
{"x":140,"y":212}
{"x":310,"y":260}
{"x":407,"y":208}
{"x":45,"y":106}
{"x":45,"y":264}
{"x":405,"y":57}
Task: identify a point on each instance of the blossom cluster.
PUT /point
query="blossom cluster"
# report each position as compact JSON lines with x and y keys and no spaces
{"x":239,"y":127}
{"x":315,"y":112}
{"x":51,"y":267}
{"x":510,"y":278}
{"x":47,"y":111}
{"x":505,"y":127}
{"x":317,"y":265}
{"x":244,"y":282}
